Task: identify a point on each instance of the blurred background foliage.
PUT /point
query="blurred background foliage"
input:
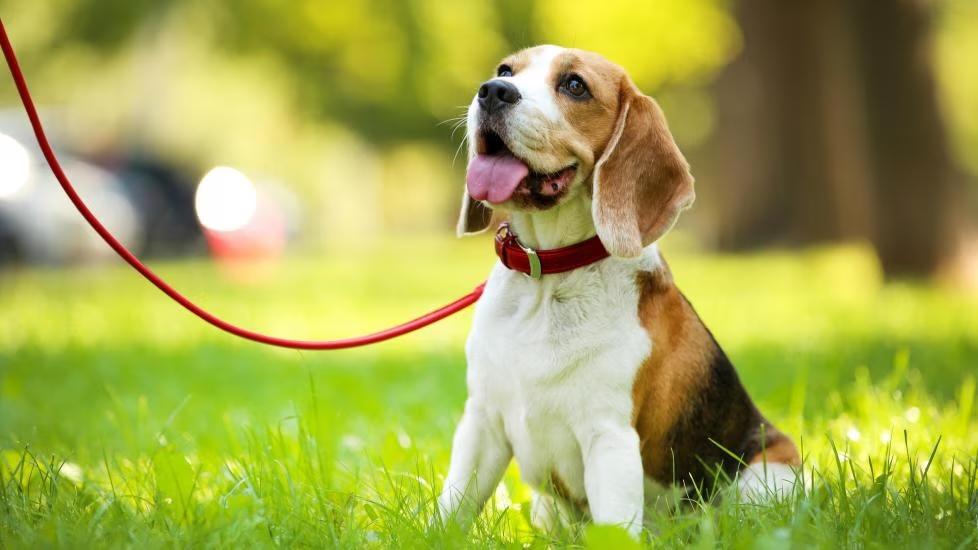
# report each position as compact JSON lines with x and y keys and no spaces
{"x":350,"y":105}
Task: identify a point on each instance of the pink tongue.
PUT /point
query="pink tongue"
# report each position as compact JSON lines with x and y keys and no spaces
{"x":494,"y":177}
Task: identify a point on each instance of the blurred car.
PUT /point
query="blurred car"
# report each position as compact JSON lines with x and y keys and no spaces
{"x":145,"y":202}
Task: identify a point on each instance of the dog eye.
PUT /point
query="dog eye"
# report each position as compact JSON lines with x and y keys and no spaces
{"x":504,"y":70}
{"x":574,"y":86}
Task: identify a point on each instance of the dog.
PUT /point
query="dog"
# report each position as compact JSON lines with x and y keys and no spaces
{"x":585,"y":362}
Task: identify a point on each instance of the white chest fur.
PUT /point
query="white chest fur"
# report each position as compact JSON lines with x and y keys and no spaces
{"x":551,"y":363}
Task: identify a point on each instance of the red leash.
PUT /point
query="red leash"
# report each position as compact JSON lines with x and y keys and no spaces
{"x":131,"y":259}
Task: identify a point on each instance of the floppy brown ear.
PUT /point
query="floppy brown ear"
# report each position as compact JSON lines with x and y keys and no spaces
{"x":642,"y":181}
{"x":474,"y":218}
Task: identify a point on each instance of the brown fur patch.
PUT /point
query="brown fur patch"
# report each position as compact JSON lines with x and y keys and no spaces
{"x":518,"y":60}
{"x":676,"y":368}
{"x":778,"y":449}
{"x":689,"y":408}
{"x":592,"y":120}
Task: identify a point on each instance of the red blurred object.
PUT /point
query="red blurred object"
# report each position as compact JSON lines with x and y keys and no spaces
{"x":262,"y":238}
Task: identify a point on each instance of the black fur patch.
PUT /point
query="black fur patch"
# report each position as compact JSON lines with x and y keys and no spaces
{"x":719,"y":420}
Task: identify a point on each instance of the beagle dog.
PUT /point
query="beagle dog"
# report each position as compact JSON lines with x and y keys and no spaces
{"x":585,"y":362}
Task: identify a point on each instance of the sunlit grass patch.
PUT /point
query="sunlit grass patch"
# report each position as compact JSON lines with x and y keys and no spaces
{"x":293,"y":483}
{"x":125,"y":422}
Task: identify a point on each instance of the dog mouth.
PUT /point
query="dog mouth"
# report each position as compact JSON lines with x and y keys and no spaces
{"x":495,"y":174}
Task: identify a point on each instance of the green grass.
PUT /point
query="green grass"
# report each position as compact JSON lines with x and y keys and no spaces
{"x":126,"y":422}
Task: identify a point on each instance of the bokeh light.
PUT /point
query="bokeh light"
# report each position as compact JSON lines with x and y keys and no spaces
{"x":15,"y":166}
{"x":226,"y":199}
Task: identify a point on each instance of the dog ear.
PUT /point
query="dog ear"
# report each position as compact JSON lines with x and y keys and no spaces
{"x":642,"y":181}
{"x":474,"y":218}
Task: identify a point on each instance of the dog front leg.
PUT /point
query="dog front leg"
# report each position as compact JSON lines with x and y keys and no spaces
{"x":480,"y":454}
{"x":613,"y":479}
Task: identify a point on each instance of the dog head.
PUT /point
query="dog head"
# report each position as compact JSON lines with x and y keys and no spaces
{"x":558,"y":124}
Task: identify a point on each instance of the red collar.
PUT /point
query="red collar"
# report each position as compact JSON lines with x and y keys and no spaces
{"x":536,"y":263}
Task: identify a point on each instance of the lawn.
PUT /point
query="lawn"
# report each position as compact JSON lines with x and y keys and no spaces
{"x":124,"y":421}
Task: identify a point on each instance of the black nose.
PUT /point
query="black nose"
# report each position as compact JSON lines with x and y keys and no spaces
{"x":496,"y":94}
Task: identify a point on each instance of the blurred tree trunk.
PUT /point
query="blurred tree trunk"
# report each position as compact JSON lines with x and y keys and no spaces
{"x":913,"y":176}
{"x":829,"y":129}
